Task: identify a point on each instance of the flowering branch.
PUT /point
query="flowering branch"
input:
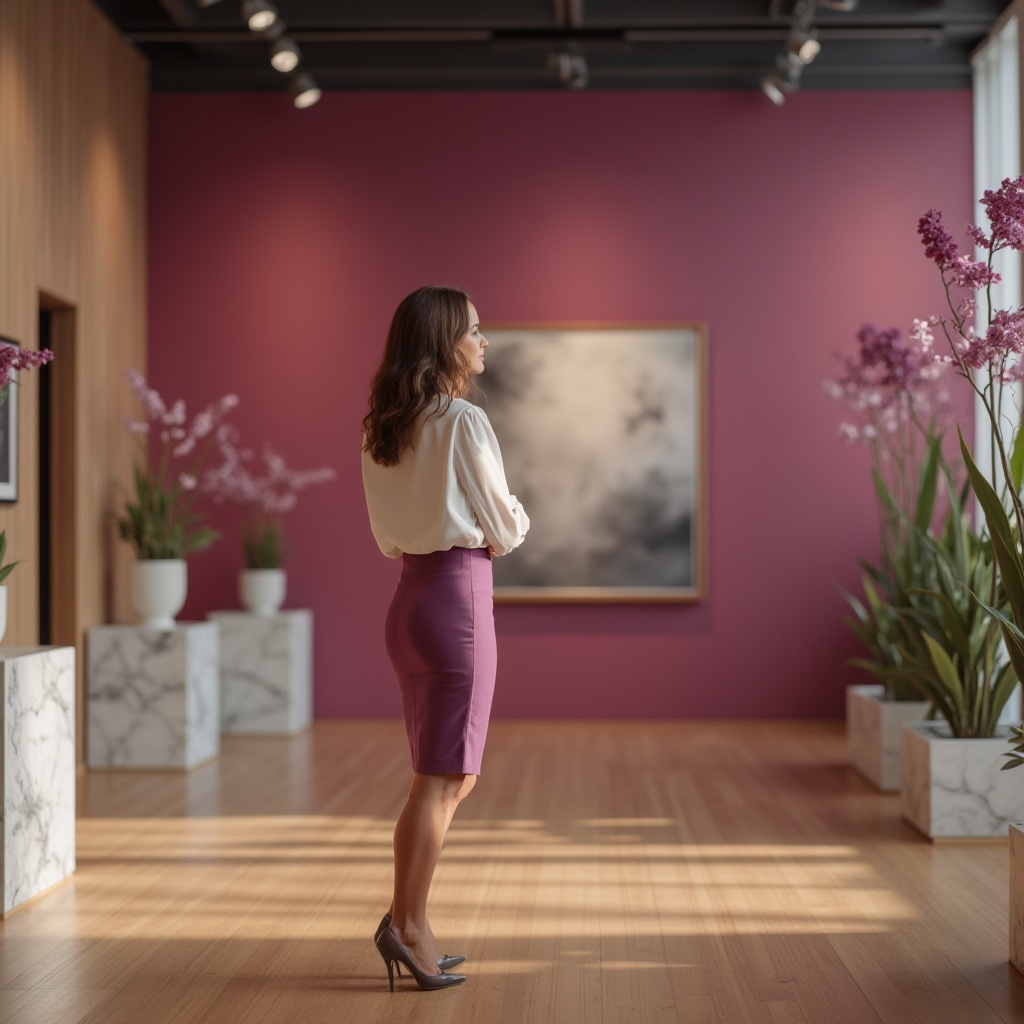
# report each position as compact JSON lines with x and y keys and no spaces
{"x":266,"y":495}
{"x":159,"y":522}
{"x":897,"y":393}
{"x":13,"y":358}
{"x":996,"y":353}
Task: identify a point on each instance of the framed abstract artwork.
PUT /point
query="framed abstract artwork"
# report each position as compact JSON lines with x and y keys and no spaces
{"x":9,"y":437}
{"x":602,"y":433}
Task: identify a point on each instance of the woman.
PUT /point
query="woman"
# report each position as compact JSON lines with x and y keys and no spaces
{"x":437,"y":497}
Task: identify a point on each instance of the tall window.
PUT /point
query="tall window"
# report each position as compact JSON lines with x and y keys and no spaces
{"x":997,"y":88}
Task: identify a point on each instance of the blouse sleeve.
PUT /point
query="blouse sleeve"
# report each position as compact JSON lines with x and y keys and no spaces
{"x":481,"y":475}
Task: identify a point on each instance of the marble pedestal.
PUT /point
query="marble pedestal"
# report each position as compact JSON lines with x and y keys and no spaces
{"x":38,"y":770}
{"x":266,"y":671}
{"x":153,"y":697}
{"x":954,"y":788}
{"x":873,"y":733}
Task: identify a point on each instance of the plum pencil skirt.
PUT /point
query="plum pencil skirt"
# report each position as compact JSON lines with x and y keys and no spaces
{"x":439,"y":636}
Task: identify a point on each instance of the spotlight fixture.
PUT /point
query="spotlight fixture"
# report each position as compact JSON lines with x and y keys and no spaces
{"x":774,"y":88}
{"x":785,"y":78}
{"x":260,"y":14}
{"x":804,"y":43}
{"x":571,"y":68}
{"x":802,"y":46}
{"x":304,"y":91}
{"x":285,"y":55}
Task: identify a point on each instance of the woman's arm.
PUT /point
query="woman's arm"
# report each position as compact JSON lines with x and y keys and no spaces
{"x":481,"y":475}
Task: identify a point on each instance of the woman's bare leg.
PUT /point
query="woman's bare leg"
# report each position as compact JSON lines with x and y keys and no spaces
{"x":468,"y":782}
{"x":419,"y":834}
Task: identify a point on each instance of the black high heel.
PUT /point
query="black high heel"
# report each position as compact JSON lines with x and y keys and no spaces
{"x":445,"y":962}
{"x":393,"y":952}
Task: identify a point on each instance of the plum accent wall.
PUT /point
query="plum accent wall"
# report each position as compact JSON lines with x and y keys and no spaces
{"x":282,"y":240}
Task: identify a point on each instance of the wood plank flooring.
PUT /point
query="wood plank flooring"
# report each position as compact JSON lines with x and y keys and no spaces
{"x":601,"y":872}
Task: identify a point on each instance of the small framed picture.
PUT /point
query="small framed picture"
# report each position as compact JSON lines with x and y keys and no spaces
{"x":9,"y":437}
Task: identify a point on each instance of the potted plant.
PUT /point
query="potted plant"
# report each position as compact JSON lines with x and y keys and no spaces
{"x":875,"y":712}
{"x":266,"y":494}
{"x":983,"y":345}
{"x":159,"y":519}
{"x":899,"y":406}
{"x":953,"y":653}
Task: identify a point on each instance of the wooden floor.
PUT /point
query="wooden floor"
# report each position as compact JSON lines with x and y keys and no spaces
{"x":611,"y":873}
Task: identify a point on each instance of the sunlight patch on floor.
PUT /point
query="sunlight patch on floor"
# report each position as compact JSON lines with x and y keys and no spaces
{"x":303,"y":877}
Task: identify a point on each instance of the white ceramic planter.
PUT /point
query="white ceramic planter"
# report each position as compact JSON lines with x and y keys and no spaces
{"x":1017,"y":893}
{"x":954,"y":788}
{"x":262,"y":590}
{"x":159,"y":587}
{"x":873,"y":733}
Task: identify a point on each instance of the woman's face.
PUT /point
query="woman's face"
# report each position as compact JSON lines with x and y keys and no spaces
{"x":473,"y":344}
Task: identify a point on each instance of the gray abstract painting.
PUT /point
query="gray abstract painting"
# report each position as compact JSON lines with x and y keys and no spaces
{"x":600,"y":432}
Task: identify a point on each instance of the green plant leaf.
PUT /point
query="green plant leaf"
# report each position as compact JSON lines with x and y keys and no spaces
{"x":1012,"y":635}
{"x":922,"y":680}
{"x":929,"y":479}
{"x":1011,"y":570}
{"x":945,"y":669}
{"x":1001,"y":690}
{"x":858,"y":609}
{"x":1017,"y":460}
{"x":868,"y":666}
{"x":874,"y":601}
{"x":956,"y":636}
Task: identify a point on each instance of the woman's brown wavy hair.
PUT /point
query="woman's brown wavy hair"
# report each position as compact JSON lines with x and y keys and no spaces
{"x":422,"y":366}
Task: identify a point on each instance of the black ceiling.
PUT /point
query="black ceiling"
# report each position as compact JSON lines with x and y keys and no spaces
{"x":515,"y":44}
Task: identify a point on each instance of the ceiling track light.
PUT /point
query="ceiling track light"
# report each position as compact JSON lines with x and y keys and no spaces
{"x":785,"y":78}
{"x":285,"y":55}
{"x":774,"y":88}
{"x":790,"y":67}
{"x":260,"y":14}
{"x":571,"y":68}
{"x":804,"y":44}
{"x":304,"y":91}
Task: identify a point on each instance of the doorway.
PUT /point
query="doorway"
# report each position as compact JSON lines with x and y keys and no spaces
{"x":57,"y":555}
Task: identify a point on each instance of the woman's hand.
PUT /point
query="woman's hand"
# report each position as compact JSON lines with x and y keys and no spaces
{"x":490,"y":552}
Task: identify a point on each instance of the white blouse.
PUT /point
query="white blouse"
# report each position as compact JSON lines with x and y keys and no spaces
{"x":448,"y":489}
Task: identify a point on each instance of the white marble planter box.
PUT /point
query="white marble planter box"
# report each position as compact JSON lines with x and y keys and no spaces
{"x":38,"y":770}
{"x":153,"y":697}
{"x":954,"y":787}
{"x":873,"y":733}
{"x":266,"y":671}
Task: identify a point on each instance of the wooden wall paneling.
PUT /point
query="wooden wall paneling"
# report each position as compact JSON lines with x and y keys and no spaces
{"x":20,"y":129}
{"x":73,"y":99}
